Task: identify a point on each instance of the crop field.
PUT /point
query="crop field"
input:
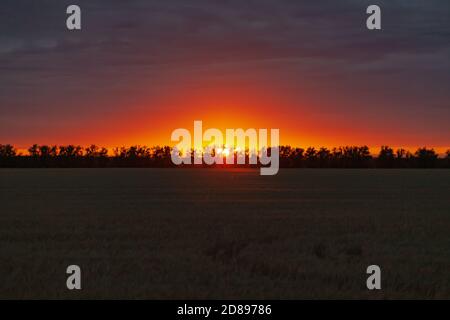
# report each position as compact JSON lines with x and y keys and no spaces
{"x":224,"y":233}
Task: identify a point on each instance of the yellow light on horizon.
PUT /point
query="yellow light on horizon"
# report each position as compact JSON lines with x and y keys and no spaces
{"x":226,"y":152}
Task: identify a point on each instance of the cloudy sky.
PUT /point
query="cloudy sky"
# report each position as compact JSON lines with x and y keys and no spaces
{"x":139,"y":69}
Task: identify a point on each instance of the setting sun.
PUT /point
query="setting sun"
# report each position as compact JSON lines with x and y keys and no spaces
{"x":226,"y":152}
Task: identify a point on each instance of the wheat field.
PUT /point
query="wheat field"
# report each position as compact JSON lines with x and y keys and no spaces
{"x":224,"y":233}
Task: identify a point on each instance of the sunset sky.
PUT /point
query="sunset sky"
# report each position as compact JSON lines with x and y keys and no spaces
{"x":139,"y":69}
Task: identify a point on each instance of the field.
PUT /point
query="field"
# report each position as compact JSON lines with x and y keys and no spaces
{"x":215,"y":233}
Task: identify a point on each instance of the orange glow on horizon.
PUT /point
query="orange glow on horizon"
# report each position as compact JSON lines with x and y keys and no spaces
{"x":231,"y":108}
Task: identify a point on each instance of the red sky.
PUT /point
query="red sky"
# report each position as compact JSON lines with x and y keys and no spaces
{"x":139,"y":70}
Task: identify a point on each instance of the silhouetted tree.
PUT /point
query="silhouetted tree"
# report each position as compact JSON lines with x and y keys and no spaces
{"x":71,"y":156}
{"x":447,"y":153}
{"x":298,"y":156}
{"x":70,"y":151}
{"x":93,"y":151}
{"x":324,"y":156}
{"x":7,"y":155}
{"x":351,"y":156}
{"x":96,"y":156}
{"x":400,"y":153}
{"x":33,"y":151}
{"x":311,"y":157}
{"x":46,"y":151}
{"x":7,"y":151}
{"x":386,"y":157}
{"x":426,"y":157}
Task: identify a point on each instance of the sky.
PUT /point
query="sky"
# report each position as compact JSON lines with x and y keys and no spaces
{"x":139,"y":69}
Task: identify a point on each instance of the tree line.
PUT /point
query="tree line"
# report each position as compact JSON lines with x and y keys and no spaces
{"x":44,"y":156}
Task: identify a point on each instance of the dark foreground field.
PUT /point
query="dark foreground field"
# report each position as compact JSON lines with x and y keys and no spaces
{"x":212,"y":233}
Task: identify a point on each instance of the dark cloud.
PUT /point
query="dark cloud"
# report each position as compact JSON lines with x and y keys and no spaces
{"x":123,"y":42}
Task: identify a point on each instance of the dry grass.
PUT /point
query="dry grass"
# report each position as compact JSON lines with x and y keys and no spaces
{"x":176,"y":233}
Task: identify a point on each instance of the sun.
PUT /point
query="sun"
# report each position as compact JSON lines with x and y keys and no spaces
{"x":226,"y":152}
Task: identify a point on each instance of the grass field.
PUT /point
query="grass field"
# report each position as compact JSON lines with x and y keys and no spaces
{"x":211,"y":233}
